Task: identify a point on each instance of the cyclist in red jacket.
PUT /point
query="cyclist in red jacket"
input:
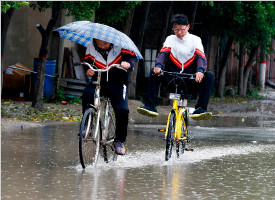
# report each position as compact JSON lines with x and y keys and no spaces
{"x":181,"y":52}
{"x":102,"y":54}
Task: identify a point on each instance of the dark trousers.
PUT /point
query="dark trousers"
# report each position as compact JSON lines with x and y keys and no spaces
{"x":119,"y":104}
{"x":190,"y":86}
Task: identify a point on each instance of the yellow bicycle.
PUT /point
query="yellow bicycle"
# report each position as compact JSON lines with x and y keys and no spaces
{"x":176,"y":129}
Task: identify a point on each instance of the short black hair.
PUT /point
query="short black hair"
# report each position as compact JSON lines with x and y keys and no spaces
{"x":180,"y":19}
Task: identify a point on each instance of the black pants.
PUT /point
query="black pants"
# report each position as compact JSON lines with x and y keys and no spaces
{"x":203,"y":89}
{"x":120,"y":104}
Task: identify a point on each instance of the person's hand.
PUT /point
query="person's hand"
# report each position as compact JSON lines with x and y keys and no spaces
{"x":199,"y":77}
{"x":90,"y":72}
{"x":157,"y":70}
{"x":125,"y":65}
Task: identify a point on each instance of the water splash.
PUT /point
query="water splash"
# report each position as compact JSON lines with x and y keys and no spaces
{"x":140,"y":159}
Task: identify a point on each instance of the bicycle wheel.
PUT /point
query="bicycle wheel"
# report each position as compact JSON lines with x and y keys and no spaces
{"x":108,"y":147}
{"x":89,"y":138}
{"x":184,"y":131}
{"x":170,"y":137}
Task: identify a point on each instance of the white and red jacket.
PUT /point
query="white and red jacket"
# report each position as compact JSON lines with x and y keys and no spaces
{"x":186,"y":52}
{"x":115,"y":56}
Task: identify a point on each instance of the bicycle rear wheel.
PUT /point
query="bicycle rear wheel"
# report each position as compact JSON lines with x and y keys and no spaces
{"x":170,"y":137}
{"x":89,"y":138}
{"x":108,"y":148}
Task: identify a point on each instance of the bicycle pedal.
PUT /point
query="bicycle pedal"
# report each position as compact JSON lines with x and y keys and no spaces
{"x":183,"y":139}
{"x":161,"y":130}
{"x":189,"y":149}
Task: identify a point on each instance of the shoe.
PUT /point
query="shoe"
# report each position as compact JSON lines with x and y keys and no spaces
{"x":147,"y":111}
{"x":119,"y":148}
{"x":201,"y":114}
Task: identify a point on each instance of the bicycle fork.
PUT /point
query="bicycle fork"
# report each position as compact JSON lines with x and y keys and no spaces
{"x":180,"y":128}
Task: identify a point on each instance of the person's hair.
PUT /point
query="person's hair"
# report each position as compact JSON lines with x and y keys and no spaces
{"x":179,"y":19}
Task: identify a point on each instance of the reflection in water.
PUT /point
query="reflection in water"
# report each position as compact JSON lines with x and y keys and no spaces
{"x":173,"y":182}
{"x":95,"y":183}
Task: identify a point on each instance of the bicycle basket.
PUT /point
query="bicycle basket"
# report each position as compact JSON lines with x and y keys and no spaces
{"x":174,"y":96}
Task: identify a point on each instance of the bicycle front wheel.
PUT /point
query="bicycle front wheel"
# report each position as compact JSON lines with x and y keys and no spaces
{"x":108,"y":147}
{"x":89,"y":138}
{"x":184,"y":130}
{"x":170,"y":137}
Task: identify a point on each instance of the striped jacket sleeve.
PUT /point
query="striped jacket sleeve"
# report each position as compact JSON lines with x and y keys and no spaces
{"x":163,"y":56}
{"x":129,"y":56}
{"x":200,"y":56}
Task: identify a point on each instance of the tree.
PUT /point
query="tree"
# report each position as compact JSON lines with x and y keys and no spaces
{"x":251,"y":24}
{"x":257,"y":32}
{"x":224,"y":24}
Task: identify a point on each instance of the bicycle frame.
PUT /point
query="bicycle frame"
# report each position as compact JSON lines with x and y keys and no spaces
{"x":179,"y":117}
{"x":97,"y":104}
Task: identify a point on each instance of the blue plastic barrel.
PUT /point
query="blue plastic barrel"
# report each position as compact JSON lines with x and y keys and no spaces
{"x":49,"y":81}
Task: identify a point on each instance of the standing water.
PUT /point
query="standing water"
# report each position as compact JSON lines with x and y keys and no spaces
{"x":228,"y":163}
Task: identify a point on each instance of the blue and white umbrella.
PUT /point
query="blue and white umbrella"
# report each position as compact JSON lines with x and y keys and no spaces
{"x":83,"y":33}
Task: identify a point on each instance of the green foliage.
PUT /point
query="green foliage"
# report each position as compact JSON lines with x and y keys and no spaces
{"x":6,"y":5}
{"x":83,"y":10}
{"x":41,"y":5}
{"x":254,"y":93}
{"x":60,"y":94}
{"x":207,"y":3}
{"x":112,"y":12}
{"x":107,"y":12}
{"x":250,"y":22}
{"x":74,"y":100}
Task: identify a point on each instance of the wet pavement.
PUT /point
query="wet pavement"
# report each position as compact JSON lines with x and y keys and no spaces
{"x":234,"y":158}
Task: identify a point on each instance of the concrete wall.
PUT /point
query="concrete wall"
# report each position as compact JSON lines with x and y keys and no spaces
{"x":23,"y":39}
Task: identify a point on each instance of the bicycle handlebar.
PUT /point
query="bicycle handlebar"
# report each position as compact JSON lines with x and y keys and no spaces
{"x":178,"y":74}
{"x":103,"y":70}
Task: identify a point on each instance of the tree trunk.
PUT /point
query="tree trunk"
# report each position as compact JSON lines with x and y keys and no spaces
{"x":128,"y":22}
{"x":193,"y":15}
{"x":38,"y":91}
{"x":262,"y":70}
{"x":5,"y":22}
{"x":222,"y":70}
{"x":248,"y":67}
{"x":143,"y":25}
{"x":241,"y":69}
{"x":167,"y":10}
{"x":133,"y":74}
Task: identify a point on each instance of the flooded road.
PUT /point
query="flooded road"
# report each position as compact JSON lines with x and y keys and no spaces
{"x":230,"y":162}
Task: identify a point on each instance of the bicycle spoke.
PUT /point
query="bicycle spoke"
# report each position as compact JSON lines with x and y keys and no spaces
{"x":108,"y":148}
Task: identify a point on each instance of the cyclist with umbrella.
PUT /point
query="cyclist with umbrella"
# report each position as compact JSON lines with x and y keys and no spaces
{"x":114,"y":84}
{"x":106,"y":46}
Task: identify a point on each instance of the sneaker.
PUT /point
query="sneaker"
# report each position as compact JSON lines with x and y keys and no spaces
{"x":201,"y":114}
{"x":119,"y":148}
{"x":148,"y":111}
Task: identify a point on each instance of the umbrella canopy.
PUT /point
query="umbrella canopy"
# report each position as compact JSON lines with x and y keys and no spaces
{"x":83,"y":33}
